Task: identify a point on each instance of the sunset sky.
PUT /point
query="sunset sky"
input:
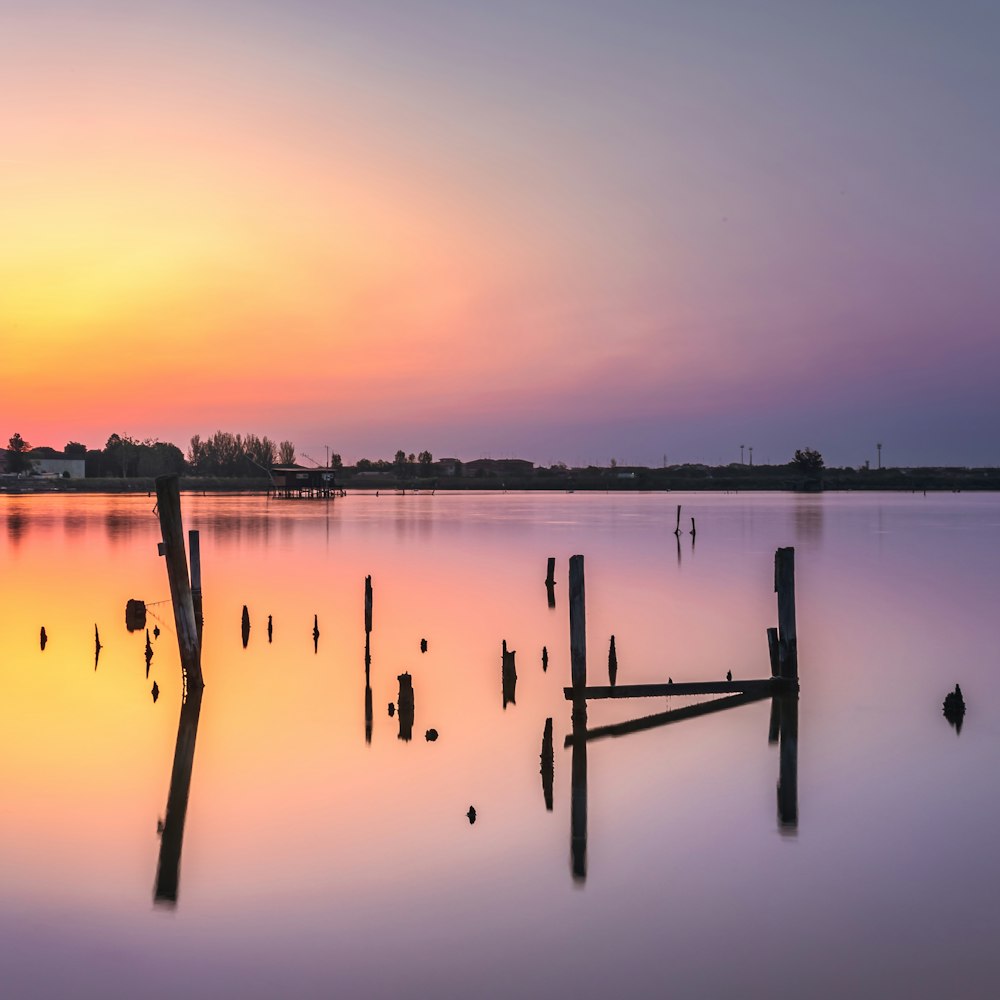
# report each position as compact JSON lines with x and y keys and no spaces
{"x":557,"y":230}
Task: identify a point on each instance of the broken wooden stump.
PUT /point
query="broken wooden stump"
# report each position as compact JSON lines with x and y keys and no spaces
{"x":548,"y":764}
{"x":42,"y":638}
{"x":405,"y":705}
{"x":135,"y":615}
{"x":545,"y":658}
{"x":423,"y":645}
{"x":954,"y":708}
{"x":270,"y":627}
{"x":508,"y":675}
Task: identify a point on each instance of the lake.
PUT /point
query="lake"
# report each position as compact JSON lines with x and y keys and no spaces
{"x":322,"y":854}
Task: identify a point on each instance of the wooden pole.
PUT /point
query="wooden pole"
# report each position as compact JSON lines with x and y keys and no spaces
{"x":168,"y":505}
{"x":677,"y":529}
{"x":368,"y":604}
{"x":550,"y":575}
{"x":194,"y":544}
{"x":784,"y":586}
{"x":577,"y":623}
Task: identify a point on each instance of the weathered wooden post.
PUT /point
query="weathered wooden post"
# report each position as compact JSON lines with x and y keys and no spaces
{"x":368,"y":605}
{"x":577,"y":623}
{"x":784,"y":586}
{"x":612,"y":663}
{"x":550,"y":574}
{"x":168,"y":505}
{"x":194,"y":544}
{"x":677,"y":528}
{"x":772,"y":649}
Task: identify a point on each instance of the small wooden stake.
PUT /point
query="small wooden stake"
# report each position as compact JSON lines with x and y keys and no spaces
{"x":577,"y":623}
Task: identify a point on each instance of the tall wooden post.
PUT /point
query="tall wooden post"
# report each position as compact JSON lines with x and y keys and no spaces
{"x":550,"y":574}
{"x":168,"y":504}
{"x":577,"y":623}
{"x":784,"y":586}
{"x":788,"y":773}
{"x":368,"y":604}
{"x":194,"y":544}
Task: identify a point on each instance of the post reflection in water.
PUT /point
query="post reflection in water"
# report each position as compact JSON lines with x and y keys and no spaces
{"x":172,"y":834}
{"x":783,"y":727}
{"x":578,"y":793}
{"x":369,"y":715}
{"x":788,"y":768}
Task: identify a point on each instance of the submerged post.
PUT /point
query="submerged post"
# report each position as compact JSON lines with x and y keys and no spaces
{"x":168,"y":505}
{"x":784,"y":586}
{"x":577,"y":623}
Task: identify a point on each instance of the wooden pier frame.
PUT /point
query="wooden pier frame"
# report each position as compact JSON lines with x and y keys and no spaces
{"x":782,"y":687}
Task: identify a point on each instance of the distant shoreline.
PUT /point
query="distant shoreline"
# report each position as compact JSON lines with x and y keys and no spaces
{"x":686,"y":479}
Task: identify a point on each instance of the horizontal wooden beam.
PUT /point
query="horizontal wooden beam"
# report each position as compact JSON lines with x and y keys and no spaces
{"x":666,"y":718}
{"x":771,"y":685}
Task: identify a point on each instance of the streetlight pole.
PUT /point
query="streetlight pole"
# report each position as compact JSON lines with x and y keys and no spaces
{"x":742,"y":446}
{"x":751,"y":455}
{"x":879,"y":446}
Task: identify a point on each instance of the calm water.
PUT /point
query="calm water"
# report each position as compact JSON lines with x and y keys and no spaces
{"x":316,"y":864}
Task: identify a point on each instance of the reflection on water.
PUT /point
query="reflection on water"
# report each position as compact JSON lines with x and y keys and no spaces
{"x":172,"y":832}
{"x":663,"y":823}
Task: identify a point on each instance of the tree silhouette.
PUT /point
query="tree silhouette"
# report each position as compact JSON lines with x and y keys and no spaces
{"x":808,"y":460}
{"x":17,"y":455}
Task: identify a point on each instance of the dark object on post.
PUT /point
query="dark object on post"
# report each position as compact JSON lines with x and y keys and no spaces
{"x":270,"y":627}
{"x":545,"y":658}
{"x":245,"y":626}
{"x":156,"y":631}
{"x":548,"y":764}
{"x":155,"y":692}
{"x":784,"y":586}
{"x":315,"y":633}
{"x":168,"y":505}
{"x":472,"y":815}
{"x":42,"y":638}
{"x":577,"y":623}
{"x":954,"y":708}
{"x":729,"y":675}
{"x":508,"y":675}
{"x":694,"y":530}
{"x":612,"y":663}
{"x":135,"y":615}
{"x":431,"y":735}
{"x":97,"y":646}
{"x":392,"y":709}
{"x":149,"y":653}
{"x":423,"y":645}
{"x":405,"y":701}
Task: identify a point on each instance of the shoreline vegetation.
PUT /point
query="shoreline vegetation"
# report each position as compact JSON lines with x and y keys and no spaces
{"x":247,"y":463}
{"x":681,"y":479}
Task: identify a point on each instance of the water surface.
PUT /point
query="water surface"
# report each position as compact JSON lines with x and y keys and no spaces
{"x":324,"y":855}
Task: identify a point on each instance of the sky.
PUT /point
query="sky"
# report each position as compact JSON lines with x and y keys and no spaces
{"x":554,"y":230}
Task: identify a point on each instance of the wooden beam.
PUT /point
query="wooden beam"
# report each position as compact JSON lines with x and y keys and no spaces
{"x":664,"y":718}
{"x":769,"y":686}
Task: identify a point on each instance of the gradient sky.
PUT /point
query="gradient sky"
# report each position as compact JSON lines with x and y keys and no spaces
{"x":557,"y":230}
